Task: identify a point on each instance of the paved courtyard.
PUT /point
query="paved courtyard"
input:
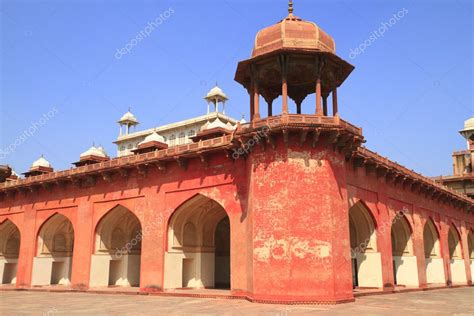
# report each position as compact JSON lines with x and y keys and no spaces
{"x":459,"y":301}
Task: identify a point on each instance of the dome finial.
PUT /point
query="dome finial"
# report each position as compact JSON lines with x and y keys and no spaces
{"x":290,"y":7}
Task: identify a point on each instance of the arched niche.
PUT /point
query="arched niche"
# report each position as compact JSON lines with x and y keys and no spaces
{"x":405,"y":266}
{"x":366,"y":260}
{"x":10,"y":241}
{"x":457,"y":265}
{"x":52,"y":264}
{"x":117,"y":249}
{"x":198,"y":249}
{"x":434,"y":265}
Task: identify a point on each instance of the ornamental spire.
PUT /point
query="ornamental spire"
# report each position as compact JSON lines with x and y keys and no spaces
{"x":290,"y":7}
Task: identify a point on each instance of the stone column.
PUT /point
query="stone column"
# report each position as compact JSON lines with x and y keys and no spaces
{"x":284,"y":95}
{"x":251,"y":104}
{"x":335,"y":110}
{"x":256,"y":101}
{"x":419,"y":245}
{"x":298,"y":107}
{"x":319,"y":109}
{"x":84,"y":239}
{"x":270,"y":107}
{"x":27,"y":249}
{"x":325,"y":105}
{"x":384,"y":242}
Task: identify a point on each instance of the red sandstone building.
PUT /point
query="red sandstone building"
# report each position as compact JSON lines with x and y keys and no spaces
{"x":286,"y":208}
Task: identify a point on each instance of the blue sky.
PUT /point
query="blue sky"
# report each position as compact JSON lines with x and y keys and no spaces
{"x":411,"y":89}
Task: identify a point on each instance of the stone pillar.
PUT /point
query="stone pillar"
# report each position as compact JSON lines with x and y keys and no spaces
{"x":298,"y":107}
{"x":284,"y":95}
{"x":256,"y":101}
{"x":251,"y":104}
{"x":444,"y":247}
{"x":419,"y":245}
{"x":465,"y":251}
{"x":319,"y":109}
{"x":335,"y":110}
{"x":270,"y":108}
{"x":325,"y":105}
{"x":384,"y":242}
{"x":84,"y":239}
{"x":27,"y":249}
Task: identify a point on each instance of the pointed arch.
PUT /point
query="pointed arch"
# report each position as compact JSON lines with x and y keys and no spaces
{"x":457,"y":265}
{"x":10,"y":241}
{"x":56,"y":237}
{"x":454,"y":243}
{"x":431,"y":239}
{"x":401,"y":235}
{"x":198,"y":213}
{"x":115,"y":229}
{"x":434,"y":265}
{"x":116,"y":258}
{"x":405,"y":266}
{"x":362,"y":228}
{"x":198,"y":245}
{"x":55,"y":245}
{"x":366,"y":261}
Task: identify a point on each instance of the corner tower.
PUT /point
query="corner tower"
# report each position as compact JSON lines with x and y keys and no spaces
{"x":298,"y":205}
{"x":292,"y":59}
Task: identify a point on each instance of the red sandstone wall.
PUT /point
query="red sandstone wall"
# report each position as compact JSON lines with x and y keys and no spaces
{"x":300,"y":224}
{"x":385,"y":199}
{"x":288,"y":211}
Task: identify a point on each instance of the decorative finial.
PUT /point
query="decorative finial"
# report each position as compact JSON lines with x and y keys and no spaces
{"x":243,"y":115}
{"x":129,"y":109}
{"x":216,"y":84}
{"x":290,"y":7}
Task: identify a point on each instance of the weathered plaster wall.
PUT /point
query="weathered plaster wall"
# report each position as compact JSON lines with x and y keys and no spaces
{"x":288,"y":211}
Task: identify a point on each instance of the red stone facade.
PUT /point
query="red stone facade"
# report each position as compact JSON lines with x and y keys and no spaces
{"x":288,"y":185}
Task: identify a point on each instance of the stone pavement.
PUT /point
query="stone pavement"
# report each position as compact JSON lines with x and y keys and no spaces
{"x":459,"y":301}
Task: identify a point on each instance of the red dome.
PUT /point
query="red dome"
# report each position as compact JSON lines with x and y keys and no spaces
{"x":293,"y":33}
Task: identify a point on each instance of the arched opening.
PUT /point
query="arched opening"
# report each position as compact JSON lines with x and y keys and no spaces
{"x":433,"y":261}
{"x":458,"y":271}
{"x":198,"y":250}
{"x":405,"y":269}
{"x":366,"y":260}
{"x":117,"y":252}
{"x":470,"y":244}
{"x":53,"y":261}
{"x":9,"y":252}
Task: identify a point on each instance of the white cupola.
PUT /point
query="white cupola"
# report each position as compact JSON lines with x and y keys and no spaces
{"x":214,"y":97}
{"x":127,"y":120}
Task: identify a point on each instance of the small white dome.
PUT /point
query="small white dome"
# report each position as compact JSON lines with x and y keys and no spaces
{"x":41,"y":162}
{"x":94,"y":151}
{"x":128,"y":117}
{"x":102,"y":150}
{"x":216,"y":123}
{"x":153,"y":137}
{"x":243,"y":121}
{"x":216,"y":91}
{"x":469,"y":124}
